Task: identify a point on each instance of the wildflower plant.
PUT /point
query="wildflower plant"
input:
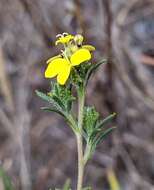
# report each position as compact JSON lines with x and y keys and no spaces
{"x":72,"y":69}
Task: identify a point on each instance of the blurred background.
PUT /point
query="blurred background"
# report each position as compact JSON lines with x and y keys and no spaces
{"x":37,"y":149}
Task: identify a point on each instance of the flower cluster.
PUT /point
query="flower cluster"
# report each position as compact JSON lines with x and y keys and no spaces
{"x":73,"y":54}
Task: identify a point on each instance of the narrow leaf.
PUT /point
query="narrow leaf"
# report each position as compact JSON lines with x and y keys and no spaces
{"x":54,"y":110}
{"x":43,"y":96}
{"x":103,"y":135}
{"x":62,"y":113}
{"x":48,"y":99}
{"x":105,"y":121}
{"x":58,"y":101}
{"x":93,"y":68}
{"x":93,"y":134}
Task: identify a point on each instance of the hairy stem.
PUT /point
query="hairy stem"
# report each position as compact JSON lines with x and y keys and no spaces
{"x":81,"y":100}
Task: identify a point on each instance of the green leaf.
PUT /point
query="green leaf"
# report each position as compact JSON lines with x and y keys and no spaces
{"x":105,"y":121}
{"x":63,"y":96}
{"x":43,"y":96}
{"x":93,"y":68}
{"x":83,"y":69}
{"x":53,"y":110}
{"x":59,"y":102}
{"x":6,"y":180}
{"x":93,"y":134}
{"x":100,"y":125}
{"x":89,"y":119}
{"x":60,"y":97}
{"x":48,"y":98}
{"x":103,"y":135}
{"x":68,"y":117}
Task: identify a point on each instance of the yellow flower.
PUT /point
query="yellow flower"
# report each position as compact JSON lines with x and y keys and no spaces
{"x":74,"y":53}
{"x":64,"y":38}
{"x":61,"y":67}
{"x":54,"y":57}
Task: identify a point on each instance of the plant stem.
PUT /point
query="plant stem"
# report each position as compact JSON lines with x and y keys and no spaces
{"x":81,"y":101}
{"x":80,"y":162}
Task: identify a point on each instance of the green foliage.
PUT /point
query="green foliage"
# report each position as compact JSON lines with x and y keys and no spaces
{"x":93,"y":131}
{"x":53,"y":110}
{"x":92,"y":69}
{"x":60,"y":97}
{"x":106,"y":121}
{"x":99,"y":137}
{"x":89,"y":125}
{"x":63,"y":95}
{"x":83,"y":69}
{"x":6,"y":180}
{"x":83,"y":72}
{"x":48,"y":99}
{"x":89,"y":120}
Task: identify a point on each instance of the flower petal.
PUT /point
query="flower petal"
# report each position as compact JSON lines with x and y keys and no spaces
{"x":54,"y":67}
{"x":89,"y":47}
{"x":52,"y":58}
{"x":64,"y":39}
{"x":80,"y":56}
{"x":64,"y":73}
